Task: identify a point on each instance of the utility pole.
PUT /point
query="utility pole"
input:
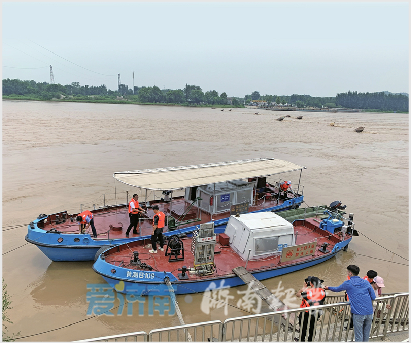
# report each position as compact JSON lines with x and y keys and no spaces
{"x":133,"y":82}
{"x":118,"y":82}
{"x":51,"y":75}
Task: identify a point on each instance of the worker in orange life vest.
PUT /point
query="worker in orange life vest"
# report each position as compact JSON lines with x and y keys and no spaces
{"x":134,"y":211}
{"x":313,"y":295}
{"x":159,"y":220}
{"x":284,"y":187}
{"x":85,"y":220}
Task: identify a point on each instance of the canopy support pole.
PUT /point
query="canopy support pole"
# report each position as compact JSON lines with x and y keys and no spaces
{"x":298,"y":189}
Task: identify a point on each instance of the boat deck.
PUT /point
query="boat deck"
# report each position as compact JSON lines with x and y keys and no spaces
{"x":225,"y":257}
{"x":112,"y":222}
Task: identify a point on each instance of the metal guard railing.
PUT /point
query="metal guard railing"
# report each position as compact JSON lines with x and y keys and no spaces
{"x":332,"y":324}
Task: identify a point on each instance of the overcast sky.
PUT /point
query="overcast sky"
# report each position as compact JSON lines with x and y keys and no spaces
{"x":278,"y":48}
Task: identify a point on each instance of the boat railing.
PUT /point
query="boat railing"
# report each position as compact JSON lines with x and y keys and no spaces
{"x":180,"y":220}
{"x":391,"y":315}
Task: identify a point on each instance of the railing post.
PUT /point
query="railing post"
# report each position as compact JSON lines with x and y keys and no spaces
{"x":221,"y":335}
{"x":387,"y":323}
{"x":127,"y":197}
{"x":249,"y":250}
{"x":104,"y":201}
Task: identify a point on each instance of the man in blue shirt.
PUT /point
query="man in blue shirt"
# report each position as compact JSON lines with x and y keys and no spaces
{"x":361,"y":295}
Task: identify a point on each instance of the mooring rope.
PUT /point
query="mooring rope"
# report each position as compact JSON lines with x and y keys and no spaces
{"x":380,"y":259}
{"x":382,"y":246}
{"x":12,"y":227}
{"x":14,"y":249}
{"x":177,"y":308}
{"x":68,"y":325}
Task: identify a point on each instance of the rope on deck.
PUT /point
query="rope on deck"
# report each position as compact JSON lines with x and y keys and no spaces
{"x":178,"y":312}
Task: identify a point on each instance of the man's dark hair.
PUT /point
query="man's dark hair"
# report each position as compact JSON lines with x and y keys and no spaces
{"x":155,"y":207}
{"x":371,"y":274}
{"x":354,"y":269}
{"x":135,"y":195}
{"x":79,"y":219}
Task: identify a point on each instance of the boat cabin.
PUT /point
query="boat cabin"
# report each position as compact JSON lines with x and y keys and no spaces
{"x":258,"y":235}
{"x":219,"y":197}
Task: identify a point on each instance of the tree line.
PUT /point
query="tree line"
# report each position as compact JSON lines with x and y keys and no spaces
{"x":190,"y":94}
{"x":194,"y":95}
{"x":380,"y":101}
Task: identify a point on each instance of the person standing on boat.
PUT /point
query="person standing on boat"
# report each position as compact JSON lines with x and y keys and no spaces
{"x":284,"y":186}
{"x":361,"y":296}
{"x":159,"y":220}
{"x":134,"y":211}
{"x":313,"y":295}
{"x":85,"y":220}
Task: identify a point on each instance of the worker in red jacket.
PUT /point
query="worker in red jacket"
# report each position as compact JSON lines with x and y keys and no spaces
{"x":85,"y":220}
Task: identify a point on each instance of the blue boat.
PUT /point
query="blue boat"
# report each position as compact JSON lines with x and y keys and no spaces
{"x":266,"y":243}
{"x":188,"y":195}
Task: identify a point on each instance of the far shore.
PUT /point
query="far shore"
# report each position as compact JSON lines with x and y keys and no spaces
{"x":126,"y":101}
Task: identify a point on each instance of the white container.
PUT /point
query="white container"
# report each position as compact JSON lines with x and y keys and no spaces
{"x":265,"y":233}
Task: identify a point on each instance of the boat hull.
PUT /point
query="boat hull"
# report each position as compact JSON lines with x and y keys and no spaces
{"x":65,"y":247}
{"x":152,"y":283}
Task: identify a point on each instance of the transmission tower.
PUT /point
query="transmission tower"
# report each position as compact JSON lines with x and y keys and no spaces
{"x":51,"y":75}
{"x":119,"y":82}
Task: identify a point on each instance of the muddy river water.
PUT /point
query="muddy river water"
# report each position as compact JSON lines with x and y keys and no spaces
{"x":57,"y":156}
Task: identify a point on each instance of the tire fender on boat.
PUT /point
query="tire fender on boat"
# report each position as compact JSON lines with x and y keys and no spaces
{"x":99,"y":251}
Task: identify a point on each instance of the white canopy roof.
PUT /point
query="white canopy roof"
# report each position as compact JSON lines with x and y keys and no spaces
{"x":203,"y":174}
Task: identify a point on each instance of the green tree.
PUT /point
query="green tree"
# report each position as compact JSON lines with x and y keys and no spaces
{"x":299,"y":104}
{"x":197,"y":96}
{"x":278,"y":100}
{"x":211,"y":97}
{"x":156,"y":94}
{"x":144,"y":94}
{"x":236,"y":102}
{"x":223,"y":98}
{"x":255,"y":95}
{"x":268,"y":99}
{"x":187,"y":91}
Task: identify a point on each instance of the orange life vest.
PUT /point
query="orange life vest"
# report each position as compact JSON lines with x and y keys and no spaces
{"x":346,"y":295}
{"x":315,"y":297}
{"x":136,"y":206}
{"x":83,"y":215}
{"x":284,"y":186}
{"x":368,"y":279}
{"x":161,"y":219}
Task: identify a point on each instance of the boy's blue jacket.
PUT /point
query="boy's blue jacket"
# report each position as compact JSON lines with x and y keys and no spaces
{"x":360,"y":294}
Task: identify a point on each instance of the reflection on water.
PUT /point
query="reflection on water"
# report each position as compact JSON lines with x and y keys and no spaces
{"x":50,"y":165}
{"x":64,"y":283}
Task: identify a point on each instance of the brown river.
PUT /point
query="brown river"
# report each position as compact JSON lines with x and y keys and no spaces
{"x":57,"y":156}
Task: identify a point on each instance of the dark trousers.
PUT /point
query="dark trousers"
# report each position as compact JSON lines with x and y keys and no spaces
{"x":93,"y":228}
{"x":307,"y":321}
{"x":157,"y":236}
{"x":133,"y":222}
